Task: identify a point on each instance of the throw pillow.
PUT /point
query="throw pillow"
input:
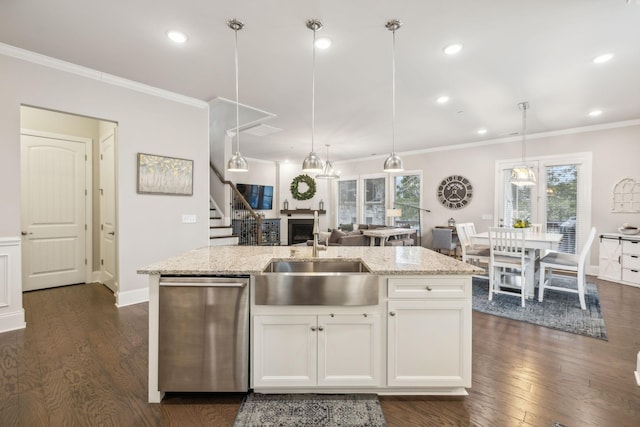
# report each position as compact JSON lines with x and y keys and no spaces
{"x":336,"y":235}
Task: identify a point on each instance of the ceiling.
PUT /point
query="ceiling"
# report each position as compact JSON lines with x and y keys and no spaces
{"x":538,"y":51}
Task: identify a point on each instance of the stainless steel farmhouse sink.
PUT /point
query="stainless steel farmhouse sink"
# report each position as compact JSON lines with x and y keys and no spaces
{"x":318,"y":282}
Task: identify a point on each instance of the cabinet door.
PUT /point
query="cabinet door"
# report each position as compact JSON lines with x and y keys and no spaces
{"x":349,"y":350}
{"x":609,"y":262}
{"x":429,"y":343}
{"x":284,"y":352}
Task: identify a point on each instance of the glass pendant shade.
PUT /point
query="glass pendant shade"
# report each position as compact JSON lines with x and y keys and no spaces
{"x":328,"y":172}
{"x":523,"y":176}
{"x":393,"y":163}
{"x":237,"y":163}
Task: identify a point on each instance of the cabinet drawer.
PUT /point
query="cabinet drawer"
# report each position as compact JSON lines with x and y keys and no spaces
{"x":631,"y":261}
{"x":429,"y":288}
{"x":632,"y":276}
{"x":631,"y":247}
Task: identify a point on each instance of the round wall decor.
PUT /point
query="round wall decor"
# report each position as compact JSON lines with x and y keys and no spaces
{"x":455,"y":192}
{"x":303,"y":193}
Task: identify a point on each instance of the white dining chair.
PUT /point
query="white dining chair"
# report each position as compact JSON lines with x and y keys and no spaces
{"x":536,"y":228}
{"x":471,"y":253}
{"x":565,"y":262}
{"x":507,"y":253}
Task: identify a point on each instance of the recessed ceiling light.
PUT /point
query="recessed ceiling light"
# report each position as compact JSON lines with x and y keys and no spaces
{"x":595,"y":113}
{"x":482,"y":131}
{"x":323,"y":43}
{"x":452,"y":49}
{"x":177,"y":36}
{"x":601,"y":59}
{"x":442,"y":99}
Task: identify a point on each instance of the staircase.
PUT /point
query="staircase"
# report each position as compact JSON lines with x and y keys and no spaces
{"x":220,"y":234}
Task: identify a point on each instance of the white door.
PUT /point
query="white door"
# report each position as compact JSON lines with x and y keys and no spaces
{"x":53,"y":197}
{"x":349,"y":350}
{"x":108,"y":210}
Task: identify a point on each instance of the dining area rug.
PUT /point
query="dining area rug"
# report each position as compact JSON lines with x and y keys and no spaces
{"x":559,"y":310}
{"x":310,"y":410}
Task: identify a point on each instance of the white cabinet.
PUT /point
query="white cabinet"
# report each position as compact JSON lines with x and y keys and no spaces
{"x":429,"y":332}
{"x":619,"y":259}
{"x":316,"y":350}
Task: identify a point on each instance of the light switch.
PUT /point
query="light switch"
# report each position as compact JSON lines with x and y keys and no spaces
{"x":188,"y":219}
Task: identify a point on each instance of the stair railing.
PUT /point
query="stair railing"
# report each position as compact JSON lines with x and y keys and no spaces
{"x":246,"y":223}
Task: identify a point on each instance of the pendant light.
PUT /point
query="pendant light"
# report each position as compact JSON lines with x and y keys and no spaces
{"x":312,"y":163}
{"x":523,"y":176}
{"x":328,"y":172}
{"x":237,"y":163}
{"x":393,"y":162}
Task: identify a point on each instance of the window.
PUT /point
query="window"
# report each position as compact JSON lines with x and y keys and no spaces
{"x":347,"y":201}
{"x":560,"y":201}
{"x":374,"y":205}
{"x":406,"y":196}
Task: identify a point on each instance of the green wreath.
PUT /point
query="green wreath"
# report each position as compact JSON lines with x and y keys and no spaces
{"x":311,"y":190}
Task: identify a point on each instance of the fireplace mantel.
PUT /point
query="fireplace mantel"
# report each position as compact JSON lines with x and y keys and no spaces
{"x":290,"y":212}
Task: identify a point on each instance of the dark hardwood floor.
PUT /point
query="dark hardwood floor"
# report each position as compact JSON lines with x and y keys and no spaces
{"x":83,"y":362}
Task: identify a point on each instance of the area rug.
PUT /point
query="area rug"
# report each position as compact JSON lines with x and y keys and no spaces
{"x":558,"y":310}
{"x":310,"y":410}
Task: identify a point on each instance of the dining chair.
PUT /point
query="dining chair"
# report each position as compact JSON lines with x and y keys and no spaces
{"x":443,"y":240}
{"x":470,"y":253}
{"x":568,"y":263}
{"x":536,"y":228}
{"x":507,"y":253}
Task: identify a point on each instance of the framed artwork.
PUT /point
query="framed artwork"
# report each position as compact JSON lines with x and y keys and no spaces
{"x":164,"y":175}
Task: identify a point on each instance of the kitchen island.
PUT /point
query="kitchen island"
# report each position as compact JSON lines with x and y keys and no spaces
{"x":415,"y":340}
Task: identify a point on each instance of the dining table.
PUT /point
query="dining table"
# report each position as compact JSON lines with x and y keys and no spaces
{"x":534,"y":243}
{"x":383,"y":234}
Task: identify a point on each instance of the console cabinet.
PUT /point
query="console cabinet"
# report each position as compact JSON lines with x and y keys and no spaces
{"x":619,"y":259}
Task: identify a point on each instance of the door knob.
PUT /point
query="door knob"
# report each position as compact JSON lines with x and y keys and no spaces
{"x":112,"y":233}
{"x":393,"y":313}
{"x":24,"y":233}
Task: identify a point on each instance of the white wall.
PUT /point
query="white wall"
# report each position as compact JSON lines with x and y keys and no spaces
{"x":616,"y":155}
{"x":150,"y":227}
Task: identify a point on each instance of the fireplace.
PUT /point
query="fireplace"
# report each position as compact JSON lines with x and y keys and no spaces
{"x":300,"y":230}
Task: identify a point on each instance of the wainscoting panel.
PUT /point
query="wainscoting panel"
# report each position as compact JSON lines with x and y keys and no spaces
{"x":11,"y":310}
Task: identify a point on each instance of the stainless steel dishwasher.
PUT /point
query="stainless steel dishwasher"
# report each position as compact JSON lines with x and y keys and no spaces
{"x":203,"y":334}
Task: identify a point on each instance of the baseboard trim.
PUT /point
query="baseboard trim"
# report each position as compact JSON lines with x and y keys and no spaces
{"x":136,"y":296}
{"x":12,"y":321}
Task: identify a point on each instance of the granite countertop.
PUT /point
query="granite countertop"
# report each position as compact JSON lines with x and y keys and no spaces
{"x":231,"y":260}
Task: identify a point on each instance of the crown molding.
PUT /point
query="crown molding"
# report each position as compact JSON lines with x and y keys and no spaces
{"x":68,"y":67}
{"x":505,"y":140}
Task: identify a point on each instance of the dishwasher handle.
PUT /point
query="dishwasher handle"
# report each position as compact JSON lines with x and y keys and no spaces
{"x":206,"y":284}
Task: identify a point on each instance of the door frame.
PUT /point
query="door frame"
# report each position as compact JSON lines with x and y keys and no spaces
{"x":88,"y":172}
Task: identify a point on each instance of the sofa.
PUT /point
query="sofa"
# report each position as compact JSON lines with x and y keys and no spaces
{"x":351,"y":235}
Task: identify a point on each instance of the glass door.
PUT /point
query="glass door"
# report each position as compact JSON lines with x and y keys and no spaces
{"x":560,"y":201}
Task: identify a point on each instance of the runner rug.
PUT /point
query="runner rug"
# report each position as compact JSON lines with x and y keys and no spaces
{"x":310,"y":410}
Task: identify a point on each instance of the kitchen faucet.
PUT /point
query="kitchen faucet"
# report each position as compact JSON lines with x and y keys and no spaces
{"x":316,"y":235}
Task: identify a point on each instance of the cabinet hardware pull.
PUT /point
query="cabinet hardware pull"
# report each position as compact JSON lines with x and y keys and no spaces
{"x":429,"y":288}
{"x":320,"y":328}
{"x":313,"y":328}
{"x":634,"y":256}
{"x":392,"y":313}
{"x":365,"y":314}
{"x":332,"y":315}
{"x":635,"y":271}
